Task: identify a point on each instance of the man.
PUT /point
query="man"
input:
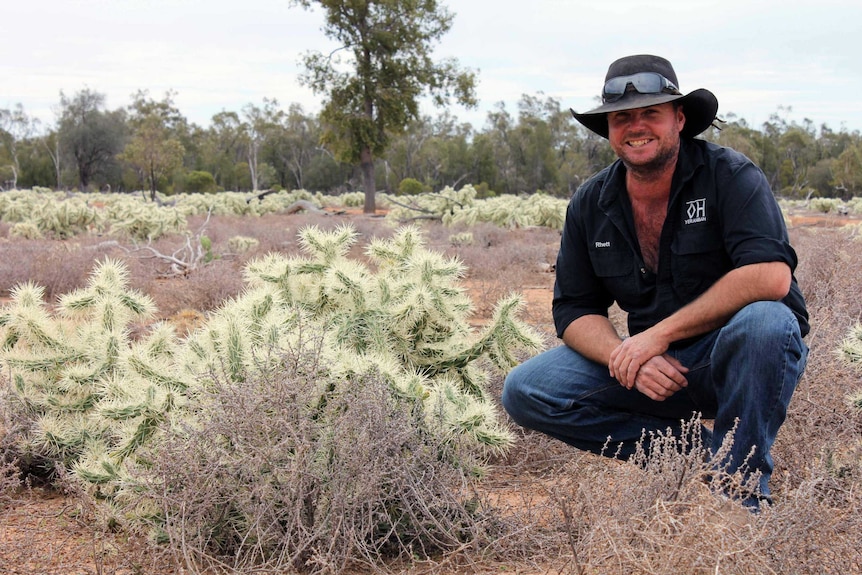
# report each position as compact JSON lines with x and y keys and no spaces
{"x":687,"y":238}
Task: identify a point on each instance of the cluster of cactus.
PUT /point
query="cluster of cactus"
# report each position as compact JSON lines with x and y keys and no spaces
{"x":509,"y":211}
{"x":242,"y":244}
{"x":826,"y":205}
{"x":49,"y":214}
{"x":142,"y":220}
{"x":347,"y":199}
{"x":239,"y":204}
{"x":460,"y":207}
{"x":409,"y":321}
{"x":90,"y":391}
{"x":131,"y":215}
{"x":461,"y":239}
{"x":96,"y":396}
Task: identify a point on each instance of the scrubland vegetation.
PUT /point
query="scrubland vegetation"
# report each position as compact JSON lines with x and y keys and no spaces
{"x":226,"y":388}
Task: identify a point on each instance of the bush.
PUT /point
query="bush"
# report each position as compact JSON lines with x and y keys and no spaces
{"x":298,"y":468}
{"x":199,"y":182}
{"x":410,"y":187}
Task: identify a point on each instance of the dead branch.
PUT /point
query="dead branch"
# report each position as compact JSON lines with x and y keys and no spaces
{"x":184,"y":259}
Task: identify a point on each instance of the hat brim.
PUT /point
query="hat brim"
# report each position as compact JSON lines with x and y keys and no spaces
{"x":699,"y":107}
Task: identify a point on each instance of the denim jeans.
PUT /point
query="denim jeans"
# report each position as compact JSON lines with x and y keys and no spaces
{"x":742,"y":375}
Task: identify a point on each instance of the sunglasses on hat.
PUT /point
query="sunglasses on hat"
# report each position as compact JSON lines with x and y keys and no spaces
{"x":642,"y":82}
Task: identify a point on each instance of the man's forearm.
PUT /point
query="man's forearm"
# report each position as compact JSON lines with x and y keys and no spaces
{"x":768,"y":281}
{"x":593,"y":336}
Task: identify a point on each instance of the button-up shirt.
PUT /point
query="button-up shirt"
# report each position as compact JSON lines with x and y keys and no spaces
{"x":721,"y":215}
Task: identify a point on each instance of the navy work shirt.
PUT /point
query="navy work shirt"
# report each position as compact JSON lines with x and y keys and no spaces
{"x":721,"y":215}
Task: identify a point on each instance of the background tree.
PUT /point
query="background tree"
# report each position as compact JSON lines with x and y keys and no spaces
{"x":260,"y":123}
{"x":154,"y":150}
{"x":847,"y":169}
{"x":16,"y":126}
{"x":152,"y":155}
{"x":222,"y":147}
{"x":534,"y":143}
{"x":90,"y":135}
{"x":51,"y":143}
{"x":799,"y":154}
{"x":292,"y":145}
{"x":376,"y":93}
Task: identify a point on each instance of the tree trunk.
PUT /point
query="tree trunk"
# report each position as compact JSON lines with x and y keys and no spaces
{"x":252,"y":164}
{"x":366,"y":161}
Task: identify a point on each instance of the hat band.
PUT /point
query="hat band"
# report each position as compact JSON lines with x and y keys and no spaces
{"x":642,"y":82}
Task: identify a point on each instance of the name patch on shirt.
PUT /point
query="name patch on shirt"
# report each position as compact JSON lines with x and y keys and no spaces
{"x":696,"y":211}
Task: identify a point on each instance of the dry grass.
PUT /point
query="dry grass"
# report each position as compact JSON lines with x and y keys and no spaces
{"x":559,"y":510}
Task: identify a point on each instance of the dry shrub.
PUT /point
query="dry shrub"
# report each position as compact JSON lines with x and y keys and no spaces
{"x":203,"y":290}
{"x":822,"y":436}
{"x":59,"y":266}
{"x":10,"y":468}
{"x":296,"y":470}
{"x":660,"y":516}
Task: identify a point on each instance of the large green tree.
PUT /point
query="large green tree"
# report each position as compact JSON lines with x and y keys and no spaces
{"x":91,"y":135}
{"x":377,"y":75}
{"x":154,"y":150}
{"x":222,"y":148}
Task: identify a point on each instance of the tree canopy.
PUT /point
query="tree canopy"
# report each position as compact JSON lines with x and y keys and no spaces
{"x":375,"y":79}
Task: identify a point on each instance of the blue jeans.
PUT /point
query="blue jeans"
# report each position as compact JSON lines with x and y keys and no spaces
{"x":745,"y":371}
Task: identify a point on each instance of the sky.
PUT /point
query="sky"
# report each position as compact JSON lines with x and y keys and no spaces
{"x":798,"y":59}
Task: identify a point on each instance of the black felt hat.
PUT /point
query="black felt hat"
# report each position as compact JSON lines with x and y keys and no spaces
{"x":699,"y":106}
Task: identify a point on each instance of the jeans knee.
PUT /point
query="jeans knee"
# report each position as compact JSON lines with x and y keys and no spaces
{"x":511,"y":396}
{"x":764,"y":321}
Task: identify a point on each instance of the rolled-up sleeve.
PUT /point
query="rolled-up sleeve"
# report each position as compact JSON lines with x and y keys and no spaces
{"x":578,"y":291}
{"x":754,"y":228}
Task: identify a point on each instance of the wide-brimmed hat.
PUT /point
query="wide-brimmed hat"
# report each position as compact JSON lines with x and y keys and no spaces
{"x":644,"y":80}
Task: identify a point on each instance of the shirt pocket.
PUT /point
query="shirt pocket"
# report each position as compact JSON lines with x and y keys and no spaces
{"x":698,"y":260}
{"x":615,"y":270}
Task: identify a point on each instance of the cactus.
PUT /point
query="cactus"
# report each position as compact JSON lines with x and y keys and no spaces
{"x":88,"y":387}
{"x":144,"y":221}
{"x":462,"y":208}
{"x":97,"y":397}
{"x":242,"y":244}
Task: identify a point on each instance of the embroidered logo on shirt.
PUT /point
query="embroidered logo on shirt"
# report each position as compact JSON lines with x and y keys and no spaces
{"x":603,"y":244}
{"x":696,"y":211}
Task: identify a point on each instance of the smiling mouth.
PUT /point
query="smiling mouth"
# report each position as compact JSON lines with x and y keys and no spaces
{"x":639,"y":143}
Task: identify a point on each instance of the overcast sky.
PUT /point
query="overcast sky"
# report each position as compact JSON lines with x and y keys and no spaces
{"x":756,"y":56}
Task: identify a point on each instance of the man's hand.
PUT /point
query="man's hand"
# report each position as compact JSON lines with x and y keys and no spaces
{"x":626,"y":360}
{"x":660,"y":377}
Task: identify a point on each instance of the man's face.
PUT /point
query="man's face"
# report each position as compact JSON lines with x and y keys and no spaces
{"x":646,"y":139}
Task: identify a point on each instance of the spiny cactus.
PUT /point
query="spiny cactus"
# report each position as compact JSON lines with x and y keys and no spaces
{"x":461,"y":207}
{"x":97,"y":397}
{"x":77,"y":373}
{"x":409,"y":319}
{"x":141,"y":220}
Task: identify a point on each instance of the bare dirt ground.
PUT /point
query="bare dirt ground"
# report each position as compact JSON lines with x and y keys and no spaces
{"x":43,"y":532}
